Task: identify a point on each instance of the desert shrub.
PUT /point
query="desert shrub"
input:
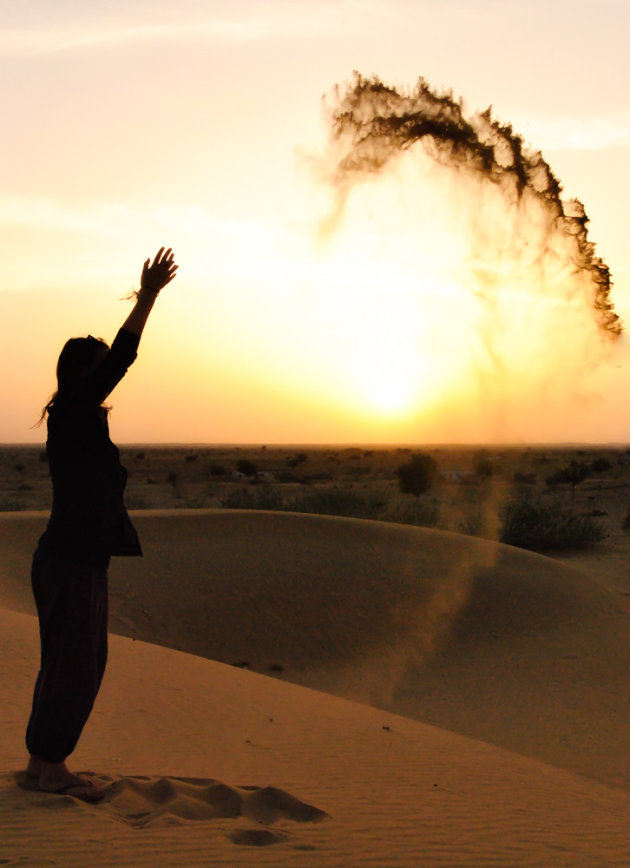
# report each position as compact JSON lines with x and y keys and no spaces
{"x":545,"y":526}
{"x":474,"y":524}
{"x":218,"y":470}
{"x":573,"y":474}
{"x":413,"y":512}
{"x":11,"y":504}
{"x":260,"y":497}
{"x":417,"y":475}
{"x":195,"y":501}
{"x":521,"y":478}
{"x":483,"y":465}
{"x":338,"y":501}
{"x":135,"y":501}
{"x":296,"y":460}
{"x":243,"y":465}
{"x":600,"y":465}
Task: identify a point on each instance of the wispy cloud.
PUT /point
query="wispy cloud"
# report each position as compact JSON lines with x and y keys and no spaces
{"x":252,"y":22}
{"x":573,"y":133}
{"x":26,"y":41}
{"x":118,"y":220}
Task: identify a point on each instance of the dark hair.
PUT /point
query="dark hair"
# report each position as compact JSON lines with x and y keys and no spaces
{"x":77,"y":356}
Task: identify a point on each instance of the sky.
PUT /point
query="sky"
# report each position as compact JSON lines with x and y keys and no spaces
{"x":204,"y":125}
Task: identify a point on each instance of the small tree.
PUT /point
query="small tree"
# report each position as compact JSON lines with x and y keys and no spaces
{"x":600,"y":465}
{"x":573,"y":474}
{"x":483,"y":466}
{"x":417,"y":475}
{"x":246,"y":467}
{"x":296,"y":460}
{"x":173,"y":479}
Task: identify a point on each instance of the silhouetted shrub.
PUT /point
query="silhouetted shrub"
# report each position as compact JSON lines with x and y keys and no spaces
{"x":246,"y":467}
{"x":338,"y":501}
{"x":296,"y":460}
{"x":416,"y":513}
{"x":259,"y":497}
{"x":483,"y":466}
{"x":573,"y":474}
{"x":545,"y":526}
{"x":417,"y":475}
{"x":173,"y":480}
{"x":524,"y":478}
{"x":600,"y":465}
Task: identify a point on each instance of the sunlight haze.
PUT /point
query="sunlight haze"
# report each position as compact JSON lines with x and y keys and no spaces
{"x":204,"y":126}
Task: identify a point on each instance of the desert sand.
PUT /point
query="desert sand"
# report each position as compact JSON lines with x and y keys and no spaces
{"x":480,"y":713}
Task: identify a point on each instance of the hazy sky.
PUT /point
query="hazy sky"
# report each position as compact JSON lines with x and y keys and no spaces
{"x":129,"y":125}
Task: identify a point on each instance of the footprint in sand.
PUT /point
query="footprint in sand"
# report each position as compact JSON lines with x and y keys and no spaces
{"x":140,"y":801}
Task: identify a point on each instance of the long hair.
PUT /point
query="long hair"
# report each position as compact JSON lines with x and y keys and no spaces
{"x":78,"y":356}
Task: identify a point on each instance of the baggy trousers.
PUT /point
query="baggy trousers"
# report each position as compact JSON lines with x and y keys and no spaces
{"x":71,"y":603}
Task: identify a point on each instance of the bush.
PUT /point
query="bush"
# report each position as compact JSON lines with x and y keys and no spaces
{"x":414,"y":512}
{"x":262,"y":497}
{"x":545,"y":526}
{"x":573,"y":474}
{"x":338,"y":501}
{"x":521,"y":478}
{"x":246,"y":467}
{"x":417,"y":475}
{"x":600,"y":465}
{"x":296,"y":460}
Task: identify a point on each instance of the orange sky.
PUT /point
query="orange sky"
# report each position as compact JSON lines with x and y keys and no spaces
{"x":192,"y":124}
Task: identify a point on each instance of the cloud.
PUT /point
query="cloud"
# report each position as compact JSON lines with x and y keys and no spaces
{"x":253,"y":22}
{"x":575,"y":133}
{"x":116,"y":220}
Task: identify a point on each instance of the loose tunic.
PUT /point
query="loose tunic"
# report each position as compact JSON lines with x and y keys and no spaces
{"x":88,"y":521}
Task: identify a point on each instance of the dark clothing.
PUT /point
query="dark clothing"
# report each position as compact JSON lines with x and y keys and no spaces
{"x":89,"y":522}
{"x":72,"y":607}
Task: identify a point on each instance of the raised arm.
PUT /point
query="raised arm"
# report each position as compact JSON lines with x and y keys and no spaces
{"x":155,"y":276}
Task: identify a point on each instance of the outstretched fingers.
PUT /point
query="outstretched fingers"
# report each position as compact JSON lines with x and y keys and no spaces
{"x":161,"y":271}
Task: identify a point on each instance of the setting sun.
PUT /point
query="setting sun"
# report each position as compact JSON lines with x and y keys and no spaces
{"x":330,"y":288}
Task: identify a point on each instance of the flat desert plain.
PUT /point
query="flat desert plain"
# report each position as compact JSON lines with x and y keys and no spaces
{"x":297,"y":688}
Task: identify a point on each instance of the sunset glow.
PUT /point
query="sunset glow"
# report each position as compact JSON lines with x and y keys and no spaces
{"x":409,"y":306}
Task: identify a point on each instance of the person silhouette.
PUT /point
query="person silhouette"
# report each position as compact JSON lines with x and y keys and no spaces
{"x":88,"y":524}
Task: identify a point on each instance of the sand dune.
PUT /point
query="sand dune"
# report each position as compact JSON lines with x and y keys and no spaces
{"x":209,"y":764}
{"x":483,"y":639}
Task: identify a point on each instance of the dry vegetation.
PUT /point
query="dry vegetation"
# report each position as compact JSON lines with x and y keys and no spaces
{"x":346,"y":480}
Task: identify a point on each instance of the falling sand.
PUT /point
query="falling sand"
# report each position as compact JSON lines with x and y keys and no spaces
{"x":478,"y":292}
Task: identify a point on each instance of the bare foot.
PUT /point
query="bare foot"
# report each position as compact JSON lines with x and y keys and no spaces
{"x":34,"y":767}
{"x":57,"y":778}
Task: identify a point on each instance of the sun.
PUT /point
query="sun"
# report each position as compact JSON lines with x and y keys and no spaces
{"x":389,"y":396}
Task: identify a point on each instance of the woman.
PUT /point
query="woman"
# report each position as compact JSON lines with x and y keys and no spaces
{"x":88,"y":524}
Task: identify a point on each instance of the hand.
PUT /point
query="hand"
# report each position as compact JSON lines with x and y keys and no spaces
{"x":156,"y":274}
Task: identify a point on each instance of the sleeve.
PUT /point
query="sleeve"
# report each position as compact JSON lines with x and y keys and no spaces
{"x":106,"y":376}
